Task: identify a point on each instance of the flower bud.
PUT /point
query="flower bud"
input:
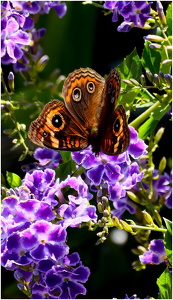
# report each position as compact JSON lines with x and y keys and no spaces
{"x":116,"y":222}
{"x":102,"y":239}
{"x":169,"y":48}
{"x":22,"y":127}
{"x":138,"y":266}
{"x":154,"y":38}
{"x":133,"y":197}
{"x":11,"y":81}
{"x":155,"y":46}
{"x":55,"y":73}
{"x":14,"y":141}
{"x":100,"y":223}
{"x":147,"y":27}
{"x":159,"y":134}
{"x":16,"y":146}
{"x":142,"y":79}
{"x":106,"y":213}
{"x":161,"y":13}
{"x":105,"y":229}
{"x":162,"y":164}
{"x":135,"y":82}
{"x":168,"y":79}
{"x":127,"y":81}
{"x":104,"y":219}
{"x":140,"y":250}
{"x":105,"y":200}
{"x":42,"y":63}
{"x":158,"y":218}
{"x":99,"y":234}
{"x":147,"y":218}
{"x":156,"y":80}
{"x":161,"y":76}
{"x":8,"y":131}
{"x":167,"y":62}
{"x":126,"y":226}
{"x":149,"y":75}
{"x":100,"y":207}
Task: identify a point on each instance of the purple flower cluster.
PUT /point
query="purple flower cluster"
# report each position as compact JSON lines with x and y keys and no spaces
{"x":162,"y":188}
{"x":135,"y":13}
{"x":18,"y":35}
{"x":155,"y":255}
{"x":115,"y":173}
{"x":35,"y":248}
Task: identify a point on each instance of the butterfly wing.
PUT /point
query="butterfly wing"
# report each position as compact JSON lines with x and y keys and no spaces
{"x":116,"y":137}
{"x":83,"y":91}
{"x":56,"y":128}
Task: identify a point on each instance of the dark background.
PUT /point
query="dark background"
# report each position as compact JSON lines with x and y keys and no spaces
{"x":84,"y":37}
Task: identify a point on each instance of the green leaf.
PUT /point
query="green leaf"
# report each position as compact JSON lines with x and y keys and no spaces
{"x":130,"y":67}
{"x":3,"y":181}
{"x":66,"y":155}
{"x":129,"y":97}
{"x":164,"y":283}
{"x":151,"y":59}
{"x":169,"y":19}
{"x":160,"y":111}
{"x":13,"y":180}
{"x":146,"y":128}
{"x":168,"y":239}
{"x":65,"y":169}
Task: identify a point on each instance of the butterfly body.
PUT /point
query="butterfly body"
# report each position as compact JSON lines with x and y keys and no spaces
{"x":87,"y":118}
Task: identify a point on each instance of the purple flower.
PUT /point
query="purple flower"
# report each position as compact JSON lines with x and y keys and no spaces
{"x":68,"y":277}
{"x":77,"y":212}
{"x":12,"y":39}
{"x":40,"y":185}
{"x":132,"y":11}
{"x":44,"y":240}
{"x":125,"y":27}
{"x":47,"y":158}
{"x":162,"y":187}
{"x":121,"y":206}
{"x":19,"y":214}
{"x":136,"y":11}
{"x":59,"y":7}
{"x":31,"y":7}
{"x":156,"y":253}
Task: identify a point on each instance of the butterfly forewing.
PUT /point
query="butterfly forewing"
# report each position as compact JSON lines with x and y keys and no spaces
{"x":56,"y":128}
{"x":82,"y":93}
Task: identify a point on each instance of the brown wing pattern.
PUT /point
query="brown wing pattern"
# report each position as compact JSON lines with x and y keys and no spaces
{"x":116,"y":138}
{"x":56,"y":128}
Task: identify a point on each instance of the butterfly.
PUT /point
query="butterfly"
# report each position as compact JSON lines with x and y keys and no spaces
{"x":89,"y":116}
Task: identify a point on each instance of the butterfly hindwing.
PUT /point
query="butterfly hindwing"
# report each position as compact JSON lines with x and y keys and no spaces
{"x":56,"y":128}
{"x":116,"y":137}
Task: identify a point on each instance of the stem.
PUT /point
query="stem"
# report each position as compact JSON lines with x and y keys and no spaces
{"x":144,"y":115}
{"x":5,"y":88}
{"x":149,"y":228}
